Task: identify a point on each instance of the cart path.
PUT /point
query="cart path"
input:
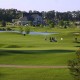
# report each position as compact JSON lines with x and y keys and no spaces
{"x":26,"y":66}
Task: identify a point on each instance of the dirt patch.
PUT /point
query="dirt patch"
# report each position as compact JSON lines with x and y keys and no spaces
{"x":25,"y":66}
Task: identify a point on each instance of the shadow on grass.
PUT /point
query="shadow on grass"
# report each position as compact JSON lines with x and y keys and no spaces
{"x":2,"y":75}
{"x":10,"y":52}
{"x":77,"y":42}
{"x":9,"y":46}
{"x":1,"y":45}
{"x":77,"y":46}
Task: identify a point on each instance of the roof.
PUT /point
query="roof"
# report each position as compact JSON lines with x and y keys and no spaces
{"x":23,"y":19}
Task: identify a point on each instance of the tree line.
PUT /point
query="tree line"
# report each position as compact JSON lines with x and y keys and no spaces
{"x":9,"y":14}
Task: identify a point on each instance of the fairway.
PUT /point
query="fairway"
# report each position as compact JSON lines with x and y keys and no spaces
{"x":34,"y":74}
{"x":36,"y":57}
{"x":32,"y":57}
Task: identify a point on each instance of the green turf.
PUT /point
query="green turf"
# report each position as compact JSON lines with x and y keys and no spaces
{"x":34,"y":74}
{"x":14,"y":40}
{"x":36,"y":57}
{"x":34,"y":50}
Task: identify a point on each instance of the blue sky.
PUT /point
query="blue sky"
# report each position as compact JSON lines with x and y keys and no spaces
{"x":41,"y":5}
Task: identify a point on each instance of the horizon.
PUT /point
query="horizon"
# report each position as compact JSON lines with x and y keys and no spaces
{"x":37,"y":10}
{"x":41,"y":5}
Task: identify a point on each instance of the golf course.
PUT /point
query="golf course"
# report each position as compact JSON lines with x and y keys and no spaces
{"x":32,"y":57}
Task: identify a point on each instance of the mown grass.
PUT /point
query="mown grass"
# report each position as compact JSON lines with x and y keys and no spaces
{"x":35,"y":50}
{"x":14,"y":40}
{"x":34,"y":74}
{"x":36,"y":57}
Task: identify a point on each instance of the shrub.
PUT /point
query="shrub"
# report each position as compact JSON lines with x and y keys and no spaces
{"x":74,"y":66}
{"x":27,"y":30}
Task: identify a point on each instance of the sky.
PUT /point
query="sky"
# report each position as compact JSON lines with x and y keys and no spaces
{"x":41,"y":5}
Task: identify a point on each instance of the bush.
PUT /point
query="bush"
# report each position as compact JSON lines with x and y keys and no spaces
{"x":27,"y":30}
{"x":3,"y":24}
{"x":8,"y":29}
{"x":74,"y":66}
{"x":21,"y":29}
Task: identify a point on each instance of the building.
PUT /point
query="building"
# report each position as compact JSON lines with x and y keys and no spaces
{"x":30,"y":18}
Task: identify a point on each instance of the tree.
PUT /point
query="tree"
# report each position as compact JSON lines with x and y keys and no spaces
{"x":3,"y":23}
{"x":66,"y":24}
{"x":61,"y":23}
{"x":27,"y":29}
{"x":21,"y":29}
{"x":52,"y":25}
{"x":74,"y":66}
{"x":50,"y":15}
